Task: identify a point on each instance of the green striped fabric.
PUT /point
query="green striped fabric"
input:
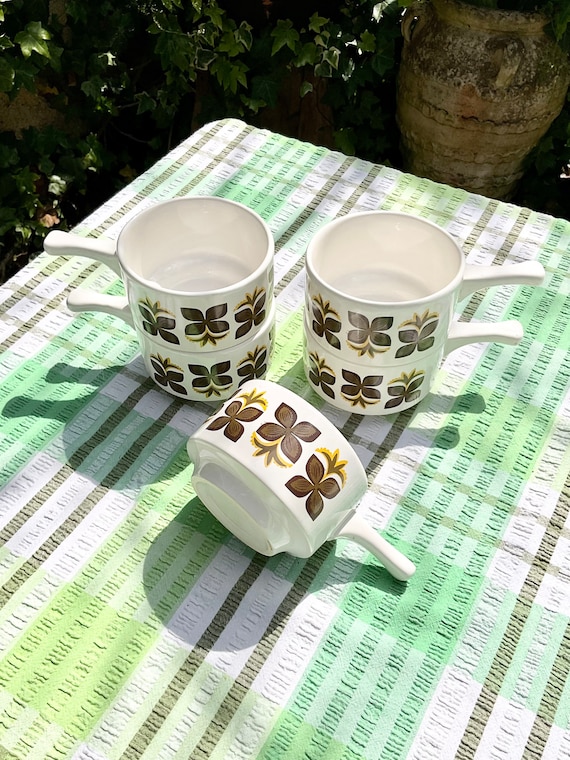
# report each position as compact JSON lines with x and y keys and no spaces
{"x":134,"y":626}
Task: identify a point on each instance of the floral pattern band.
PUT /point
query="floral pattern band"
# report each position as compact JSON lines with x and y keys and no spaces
{"x":282,"y":442}
{"x":372,"y":336}
{"x":204,"y":328}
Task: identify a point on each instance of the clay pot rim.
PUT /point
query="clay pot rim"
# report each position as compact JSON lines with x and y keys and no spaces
{"x":494,"y":20}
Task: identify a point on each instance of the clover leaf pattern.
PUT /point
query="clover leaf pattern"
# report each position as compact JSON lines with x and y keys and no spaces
{"x":206,"y":327}
{"x":280,"y":441}
{"x":326,"y":321}
{"x":369,"y":336}
{"x":244,"y":409}
{"x":250,"y":312}
{"x":157,"y":321}
{"x":417,"y":333}
{"x":360,"y":391}
{"x":323,"y":481}
{"x":213,"y":381}
{"x":405,"y":389}
{"x":167,"y":374}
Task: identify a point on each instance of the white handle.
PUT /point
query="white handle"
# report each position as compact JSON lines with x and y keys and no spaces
{"x":479,"y":277}
{"x":58,"y":243}
{"x":357,"y":529}
{"x":462,"y":333}
{"x":88,"y":300}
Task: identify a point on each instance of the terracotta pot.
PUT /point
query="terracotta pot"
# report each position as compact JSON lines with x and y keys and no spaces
{"x":477,"y":90}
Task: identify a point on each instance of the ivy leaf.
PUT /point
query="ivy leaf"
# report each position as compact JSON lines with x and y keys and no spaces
{"x":34,"y":40}
{"x":5,"y":42}
{"x":332,"y":56}
{"x":7,"y":75}
{"x":284,"y":36}
{"x":146,"y":102}
{"x":317,"y":22}
{"x":230,"y":74}
{"x":266,"y":88}
{"x":367,"y":42}
{"x":305,"y":88}
{"x":244,"y":35}
{"x":308,"y":55}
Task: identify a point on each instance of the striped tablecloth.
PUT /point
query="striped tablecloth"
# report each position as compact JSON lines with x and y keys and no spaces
{"x":133,"y":625}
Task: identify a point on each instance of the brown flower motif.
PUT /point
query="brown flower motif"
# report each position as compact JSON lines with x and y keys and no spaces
{"x":206,"y":327}
{"x":237,"y":412}
{"x":318,"y":485}
{"x":283,"y":437}
{"x":361,"y":391}
{"x":250,"y":312}
{"x":157,"y":321}
{"x":405,"y":388}
{"x":321,"y":375}
{"x":326,"y":321}
{"x":417,"y":333}
{"x":369,"y":336}
{"x":168,"y":374}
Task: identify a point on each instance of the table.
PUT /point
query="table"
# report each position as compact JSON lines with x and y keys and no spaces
{"x":134,"y":625}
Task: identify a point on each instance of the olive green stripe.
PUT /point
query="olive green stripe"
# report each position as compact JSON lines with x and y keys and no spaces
{"x":82,"y":510}
{"x":196,"y":657}
{"x":546,"y":712}
{"x":108,"y":482}
{"x":206,"y":643}
{"x":39,"y":498}
{"x":500,"y":257}
{"x":481,"y":225}
{"x":491,"y":688}
{"x":26,"y":291}
{"x":244,"y":680}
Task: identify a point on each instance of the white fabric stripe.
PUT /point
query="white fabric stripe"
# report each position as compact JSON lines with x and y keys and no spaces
{"x":27,"y":482}
{"x":446,"y":718}
{"x":289,"y":658}
{"x":82,"y":543}
{"x":53,"y":512}
{"x":242,"y":634}
{"x":205,"y":599}
{"x":506,"y":732}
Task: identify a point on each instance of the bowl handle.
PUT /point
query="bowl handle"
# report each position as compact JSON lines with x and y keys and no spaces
{"x":59,"y":243}
{"x":356,"y":529}
{"x":479,"y":277}
{"x":88,"y":300}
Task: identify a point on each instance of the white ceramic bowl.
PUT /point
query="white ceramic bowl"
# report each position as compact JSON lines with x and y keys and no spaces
{"x":281,"y":477}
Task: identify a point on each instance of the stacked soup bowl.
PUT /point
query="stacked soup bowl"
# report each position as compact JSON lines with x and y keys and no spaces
{"x":198,"y":275}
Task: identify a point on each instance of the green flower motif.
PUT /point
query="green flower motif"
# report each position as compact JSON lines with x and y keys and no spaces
{"x":211,"y":382}
{"x":250,"y":312}
{"x":369,"y":337}
{"x":321,"y":375}
{"x":326,"y":321}
{"x":405,"y":388}
{"x":417,"y":333}
{"x":254,"y":365}
{"x":208,"y":327}
{"x":167,"y":374}
{"x":155,"y":322}
{"x":360,"y":391}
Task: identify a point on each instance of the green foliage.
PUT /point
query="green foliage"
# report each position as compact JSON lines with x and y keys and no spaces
{"x":126,"y":81}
